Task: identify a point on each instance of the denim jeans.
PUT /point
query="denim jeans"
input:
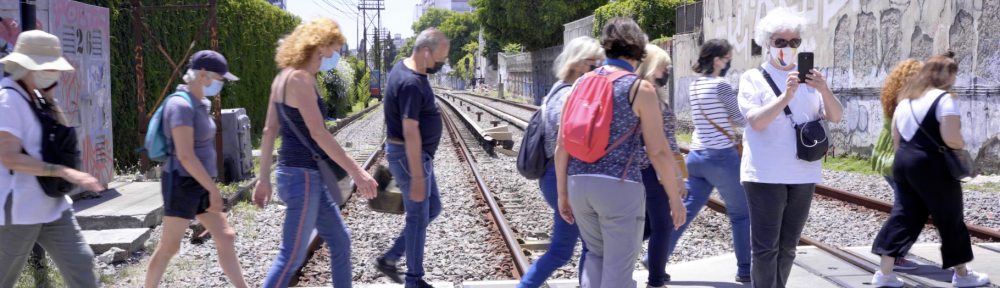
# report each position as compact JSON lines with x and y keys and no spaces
{"x":778,"y":213}
{"x":418,"y":214}
{"x":718,"y":168}
{"x":658,"y":228}
{"x":564,"y":236}
{"x":63,"y":241}
{"x":309,"y":200}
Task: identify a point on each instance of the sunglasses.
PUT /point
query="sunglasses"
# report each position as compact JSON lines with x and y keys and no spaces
{"x":782,"y":43}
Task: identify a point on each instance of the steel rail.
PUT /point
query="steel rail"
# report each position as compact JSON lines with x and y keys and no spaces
{"x":520,"y":261}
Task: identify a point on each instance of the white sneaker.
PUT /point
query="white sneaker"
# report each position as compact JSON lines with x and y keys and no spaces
{"x":973,"y":279}
{"x":890,"y":280}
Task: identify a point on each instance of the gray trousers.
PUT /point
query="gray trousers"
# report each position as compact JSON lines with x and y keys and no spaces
{"x":610,"y":215}
{"x":61,"y":239}
{"x":778,"y":213}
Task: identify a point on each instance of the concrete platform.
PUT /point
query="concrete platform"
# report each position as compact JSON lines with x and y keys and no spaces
{"x":985,"y":261}
{"x":490,"y":284}
{"x":130,"y":240}
{"x":715,"y":272}
{"x":128,"y":205}
{"x":435,"y":284}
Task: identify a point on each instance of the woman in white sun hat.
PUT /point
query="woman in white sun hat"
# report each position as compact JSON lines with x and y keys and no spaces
{"x":29,"y":214}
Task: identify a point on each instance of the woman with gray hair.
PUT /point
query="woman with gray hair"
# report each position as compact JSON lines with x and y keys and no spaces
{"x":580,"y":56}
{"x":779,"y":187}
{"x":35,"y":67}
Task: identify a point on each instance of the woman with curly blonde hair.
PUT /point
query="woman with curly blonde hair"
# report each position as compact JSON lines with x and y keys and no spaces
{"x":296,"y":110}
{"x":883,"y":153}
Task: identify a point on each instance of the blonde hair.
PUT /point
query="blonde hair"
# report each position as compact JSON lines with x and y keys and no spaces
{"x":575,"y":52}
{"x":656,"y":58}
{"x":894,"y":84}
{"x":297,"y":48}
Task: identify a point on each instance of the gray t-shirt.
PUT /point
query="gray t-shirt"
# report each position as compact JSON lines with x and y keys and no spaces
{"x":179,"y":112}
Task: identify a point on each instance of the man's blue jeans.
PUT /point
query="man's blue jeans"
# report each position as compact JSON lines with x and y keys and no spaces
{"x":718,"y":168}
{"x":418,"y":214}
{"x":564,"y":236}
{"x":308,"y":200}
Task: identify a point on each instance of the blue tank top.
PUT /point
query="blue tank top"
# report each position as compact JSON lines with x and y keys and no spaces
{"x":623,"y":119}
{"x":293,"y":152}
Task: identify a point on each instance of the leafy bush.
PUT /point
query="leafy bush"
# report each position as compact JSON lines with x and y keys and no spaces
{"x":248,"y":31}
{"x":656,"y":17}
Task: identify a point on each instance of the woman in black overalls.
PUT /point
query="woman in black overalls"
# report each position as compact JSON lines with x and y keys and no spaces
{"x":923,"y":123}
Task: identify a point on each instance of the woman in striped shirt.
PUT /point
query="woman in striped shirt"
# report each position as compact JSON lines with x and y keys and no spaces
{"x":714,"y":161}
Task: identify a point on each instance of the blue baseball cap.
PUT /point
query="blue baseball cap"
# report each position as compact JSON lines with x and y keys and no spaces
{"x":209,"y":60}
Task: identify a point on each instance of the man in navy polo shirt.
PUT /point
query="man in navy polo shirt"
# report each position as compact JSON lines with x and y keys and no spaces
{"x":413,"y":130}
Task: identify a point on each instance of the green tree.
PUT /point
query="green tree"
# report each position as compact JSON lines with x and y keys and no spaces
{"x":511,"y":49}
{"x":459,"y":28}
{"x":391,"y":52}
{"x":491,"y":49}
{"x":406,"y":50}
{"x":465,"y":65}
{"x":432,"y":19}
{"x":536,"y":24}
{"x":658,"y":18}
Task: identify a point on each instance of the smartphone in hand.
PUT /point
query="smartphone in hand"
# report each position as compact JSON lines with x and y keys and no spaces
{"x":805,"y":65}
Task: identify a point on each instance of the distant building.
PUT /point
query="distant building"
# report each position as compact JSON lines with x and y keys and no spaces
{"x":398,"y":40}
{"x":279,"y":3}
{"x":453,"y":5}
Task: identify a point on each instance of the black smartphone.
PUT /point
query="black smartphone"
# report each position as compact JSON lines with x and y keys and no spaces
{"x":805,"y":65}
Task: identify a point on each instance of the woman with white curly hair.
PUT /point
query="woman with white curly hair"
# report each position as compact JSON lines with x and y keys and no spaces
{"x":778,"y":185}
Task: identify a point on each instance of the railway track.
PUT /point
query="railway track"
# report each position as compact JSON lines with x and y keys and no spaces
{"x":977,"y":231}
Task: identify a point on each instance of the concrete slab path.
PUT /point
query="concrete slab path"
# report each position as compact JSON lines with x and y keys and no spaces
{"x":132,"y":205}
{"x":130,"y":240}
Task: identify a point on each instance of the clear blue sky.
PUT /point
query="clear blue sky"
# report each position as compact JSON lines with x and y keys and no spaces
{"x":397,"y":16}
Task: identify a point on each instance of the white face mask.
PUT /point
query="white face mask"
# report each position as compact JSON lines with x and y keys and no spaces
{"x":784,"y":56}
{"x":45,"y":79}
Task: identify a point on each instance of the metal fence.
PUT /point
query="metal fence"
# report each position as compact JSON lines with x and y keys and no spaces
{"x":689,"y":17}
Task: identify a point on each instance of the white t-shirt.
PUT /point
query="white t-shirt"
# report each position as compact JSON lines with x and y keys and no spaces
{"x":908,"y":127}
{"x":31,"y":205}
{"x":769,"y":154}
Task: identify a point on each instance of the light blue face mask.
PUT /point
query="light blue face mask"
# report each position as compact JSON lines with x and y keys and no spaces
{"x":330,"y":62}
{"x":213,"y":89}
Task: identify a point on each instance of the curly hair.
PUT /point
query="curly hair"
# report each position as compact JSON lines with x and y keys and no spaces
{"x":622,"y":38}
{"x":296,"y":49}
{"x":779,"y":20}
{"x":902,"y":73}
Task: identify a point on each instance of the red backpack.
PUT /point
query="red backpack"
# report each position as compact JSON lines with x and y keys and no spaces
{"x":586,"y":121}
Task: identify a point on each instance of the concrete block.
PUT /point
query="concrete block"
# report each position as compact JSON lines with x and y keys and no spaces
{"x":926,"y":271}
{"x":130,"y":240}
{"x":134,"y":205}
{"x":113,"y":255}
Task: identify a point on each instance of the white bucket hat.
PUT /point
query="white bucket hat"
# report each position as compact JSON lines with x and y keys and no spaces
{"x":36,"y":50}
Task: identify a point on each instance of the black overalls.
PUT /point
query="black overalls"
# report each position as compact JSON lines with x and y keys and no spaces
{"x":926,"y":188}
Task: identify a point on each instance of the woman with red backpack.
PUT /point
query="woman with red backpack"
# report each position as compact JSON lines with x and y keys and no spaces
{"x":599,"y":184}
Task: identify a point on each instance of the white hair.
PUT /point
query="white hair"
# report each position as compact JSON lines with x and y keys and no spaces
{"x":782,"y":19}
{"x":431,"y":38}
{"x":192,"y":74}
{"x":576,"y":51}
{"x":16,"y":71}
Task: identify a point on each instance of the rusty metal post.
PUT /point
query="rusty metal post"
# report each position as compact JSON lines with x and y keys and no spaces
{"x":214,"y":30}
{"x":140,"y":80}
{"x":479,"y":116}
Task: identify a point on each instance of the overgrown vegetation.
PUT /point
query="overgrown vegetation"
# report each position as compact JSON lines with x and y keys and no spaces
{"x":849,"y":163}
{"x":509,"y":21}
{"x":656,"y":17}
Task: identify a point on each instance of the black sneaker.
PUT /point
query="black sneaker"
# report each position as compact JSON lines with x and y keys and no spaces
{"x":742,"y":279}
{"x":390,"y":270}
{"x":420,"y":284}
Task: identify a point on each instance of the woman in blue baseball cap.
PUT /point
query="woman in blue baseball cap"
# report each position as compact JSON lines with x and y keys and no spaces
{"x":189,"y":189}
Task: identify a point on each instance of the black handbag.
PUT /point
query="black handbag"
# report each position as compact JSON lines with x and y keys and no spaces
{"x":59,"y":146}
{"x":959,"y":161}
{"x":331,"y":172}
{"x":811,"y":141}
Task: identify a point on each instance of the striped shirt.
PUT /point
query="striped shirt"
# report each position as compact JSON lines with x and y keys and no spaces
{"x":712,"y":99}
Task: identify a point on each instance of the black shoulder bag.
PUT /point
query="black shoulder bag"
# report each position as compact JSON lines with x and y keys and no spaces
{"x":811,"y":141}
{"x":960,"y":162}
{"x":331,"y":172}
{"x":59,"y":146}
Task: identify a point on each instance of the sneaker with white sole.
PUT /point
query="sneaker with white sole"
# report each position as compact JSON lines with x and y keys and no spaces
{"x":880,"y":280}
{"x":972,"y":279}
{"x":903,"y":264}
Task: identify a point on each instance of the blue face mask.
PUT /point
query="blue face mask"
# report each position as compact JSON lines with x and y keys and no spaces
{"x":213,"y":89}
{"x":330,"y":62}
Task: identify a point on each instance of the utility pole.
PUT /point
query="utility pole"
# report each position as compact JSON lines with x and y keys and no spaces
{"x":28,"y":15}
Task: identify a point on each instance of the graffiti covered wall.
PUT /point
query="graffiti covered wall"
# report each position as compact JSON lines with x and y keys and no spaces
{"x":857,"y":43}
{"x":85,"y":96}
